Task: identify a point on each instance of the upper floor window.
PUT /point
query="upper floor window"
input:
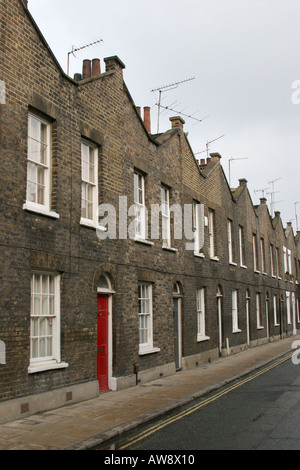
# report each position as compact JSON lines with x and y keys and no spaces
{"x":197,"y":214}
{"x":165,"y":212}
{"x":140,"y":207}
{"x":38,"y":194}
{"x":211,"y":229}
{"x":230,"y":241}
{"x":255,"y":257}
{"x":241,"y":246}
{"x":89,"y":184}
{"x":263,"y":259}
{"x":272,"y":260}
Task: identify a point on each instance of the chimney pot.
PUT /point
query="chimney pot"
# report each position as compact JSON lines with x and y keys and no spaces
{"x":86,"y":69}
{"x":147,"y":120}
{"x":77,"y":77}
{"x":96,"y":69}
{"x":263,"y":200}
{"x":138,"y":108}
{"x":208,"y":160}
{"x":202,"y":161}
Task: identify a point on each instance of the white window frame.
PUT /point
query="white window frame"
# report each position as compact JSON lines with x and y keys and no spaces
{"x":255,"y":258}
{"x":45,"y":321}
{"x":275,"y":310}
{"x":211,"y":231}
{"x":289,"y":260}
{"x":241,"y":246}
{"x":263,"y":258}
{"x":42,"y":164}
{"x":196,"y":208}
{"x":230,"y":241}
{"x":139,"y":206}
{"x":235,"y":314}
{"x":277,"y":262}
{"x":88,"y":167}
{"x":258,"y":311}
{"x":285,"y":260}
{"x":288,"y":308}
{"x":200,"y":299}
{"x":145,"y":312}
{"x":272,"y":259}
{"x":165,"y":213}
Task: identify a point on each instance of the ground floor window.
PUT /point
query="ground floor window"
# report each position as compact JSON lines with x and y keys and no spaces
{"x":201,"y":314}
{"x":145,"y":317}
{"x":44,"y":321}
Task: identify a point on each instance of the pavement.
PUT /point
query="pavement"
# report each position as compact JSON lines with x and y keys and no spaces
{"x":91,"y":423}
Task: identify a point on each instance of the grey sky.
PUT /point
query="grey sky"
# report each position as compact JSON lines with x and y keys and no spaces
{"x":244,"y":55}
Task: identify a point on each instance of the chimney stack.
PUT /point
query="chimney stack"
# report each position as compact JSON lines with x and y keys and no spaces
{"x":263,"y":200}
{"x":243,"y":182}
{"x":96,"y":69}
{"x":86,"y":69}
{"x":147,"y":120}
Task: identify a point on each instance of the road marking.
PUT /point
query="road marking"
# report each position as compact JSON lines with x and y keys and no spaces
{"x":207,"y":401}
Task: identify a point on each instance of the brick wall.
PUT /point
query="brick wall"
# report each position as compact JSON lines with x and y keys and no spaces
{"x":101,"y":110}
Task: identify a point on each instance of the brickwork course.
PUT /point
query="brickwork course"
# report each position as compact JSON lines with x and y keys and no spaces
{"x":99,"y":109}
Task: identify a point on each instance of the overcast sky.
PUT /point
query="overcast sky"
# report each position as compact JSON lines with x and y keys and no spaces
{"x":243,"y":56}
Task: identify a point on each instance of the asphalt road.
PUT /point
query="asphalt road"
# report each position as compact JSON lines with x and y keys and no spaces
{"x":261,"y":411}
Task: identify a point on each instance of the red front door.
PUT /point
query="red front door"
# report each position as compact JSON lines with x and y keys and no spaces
{"x":102,"y":342}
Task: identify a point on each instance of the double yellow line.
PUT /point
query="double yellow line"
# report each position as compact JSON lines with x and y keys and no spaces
{"x":203,"y":403}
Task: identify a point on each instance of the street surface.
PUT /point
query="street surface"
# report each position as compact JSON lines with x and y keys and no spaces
{"x":260,"y":411}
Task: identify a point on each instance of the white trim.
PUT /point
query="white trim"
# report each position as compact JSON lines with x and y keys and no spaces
{"x":47,"y":365}
{"x":39,"y":209}
{"x":39,"y":364}
{"x":94,"y":221}
{"x":146,"y":348}
{"x":45,"y":207}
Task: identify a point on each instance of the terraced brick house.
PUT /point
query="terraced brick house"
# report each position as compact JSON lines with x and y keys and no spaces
{"x":122,"y":257}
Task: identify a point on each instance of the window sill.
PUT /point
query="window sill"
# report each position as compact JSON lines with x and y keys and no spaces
{"x":236,"y":330}
{"x":143,"y":352}
{"x":37,"y":209}
{"x":243,"y":266}
{"x":199,"y":255}
{"x":260,"y":327}
{"x":144,"y":242}
{"x":47,"y":365}
{"x":91,"y":224}
{"x":232,"y":263}
{"x":201,"y":338}
{"x":214,"y":258}
{"x":256,"y":271}
{"x":169,"y":248}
